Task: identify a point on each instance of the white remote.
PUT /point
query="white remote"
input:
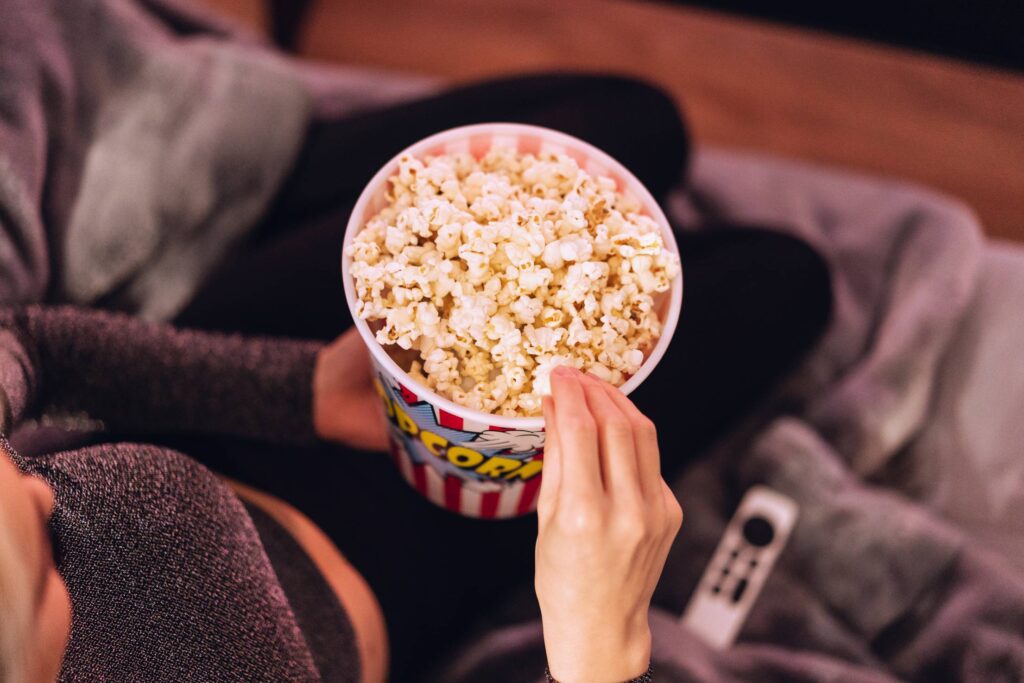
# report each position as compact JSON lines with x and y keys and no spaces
{"x":742,"y":562}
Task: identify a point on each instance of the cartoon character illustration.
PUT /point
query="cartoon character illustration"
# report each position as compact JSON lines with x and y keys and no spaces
{"x":514,"y":440}
{"x":490,"y":456}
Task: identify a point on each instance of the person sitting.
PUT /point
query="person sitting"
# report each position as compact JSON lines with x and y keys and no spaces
{"x":124,"y":561}
{"x":163,"y":558}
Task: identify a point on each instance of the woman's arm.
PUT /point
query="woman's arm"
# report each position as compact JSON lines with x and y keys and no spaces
{"x":606,"y":522}
{"x":137,"y":376}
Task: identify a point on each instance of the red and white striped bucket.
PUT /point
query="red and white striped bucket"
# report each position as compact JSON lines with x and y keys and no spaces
{"x":473,"y":463}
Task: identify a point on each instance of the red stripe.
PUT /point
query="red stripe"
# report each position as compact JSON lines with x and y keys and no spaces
{"x":407,"y":395}
{"x":489,"y":504}
{"x":579,"y":155}
{"x":419,"y":478}
{"x":529,"y":497}
{"x":371,"y":211}
{"x":620,"y":184}
{"x":529,"y":144}
{"x":453,"y":494}
{"x":479,"y":145}
{"x":448,"y":420}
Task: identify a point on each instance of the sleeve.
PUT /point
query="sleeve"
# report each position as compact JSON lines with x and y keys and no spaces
{"x":137,"y":376}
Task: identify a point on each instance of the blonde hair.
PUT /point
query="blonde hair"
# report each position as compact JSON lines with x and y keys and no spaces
{"x":15,"y":603}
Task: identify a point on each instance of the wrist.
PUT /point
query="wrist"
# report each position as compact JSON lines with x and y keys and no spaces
{"x":580,"y":657}
{"x":646,"y":677}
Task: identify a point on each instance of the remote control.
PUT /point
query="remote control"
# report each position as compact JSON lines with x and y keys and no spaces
{"x":742,"y":562}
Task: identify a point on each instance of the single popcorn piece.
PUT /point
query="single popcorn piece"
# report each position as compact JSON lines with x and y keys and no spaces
{"x":497,"y":270}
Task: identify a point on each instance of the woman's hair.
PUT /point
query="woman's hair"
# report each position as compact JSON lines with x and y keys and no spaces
{"x":15,"y":603}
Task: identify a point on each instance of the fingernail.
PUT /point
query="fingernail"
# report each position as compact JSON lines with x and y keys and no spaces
{"x":563,"y":371}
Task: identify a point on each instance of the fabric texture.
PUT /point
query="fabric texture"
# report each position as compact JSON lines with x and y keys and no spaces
{"x":321,"y":618}
{"x":915,"y":384}
{"x":92,"y":369}
{"x":169,"y":576}
{"x":967,"y":456}
{"x":103,"y":94}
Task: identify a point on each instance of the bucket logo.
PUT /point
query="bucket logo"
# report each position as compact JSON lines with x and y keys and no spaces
{"x":491,"y":455}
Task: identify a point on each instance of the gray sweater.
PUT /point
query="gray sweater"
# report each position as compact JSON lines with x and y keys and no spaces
{"x":171,"y":577}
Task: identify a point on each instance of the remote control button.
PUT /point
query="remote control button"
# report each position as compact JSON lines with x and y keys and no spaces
{"x":741,"y":588}
{"x":758,"y":531}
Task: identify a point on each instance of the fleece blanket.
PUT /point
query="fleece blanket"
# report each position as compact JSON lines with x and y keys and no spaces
{"x":192,"y":119}
{"x":917,"y":386}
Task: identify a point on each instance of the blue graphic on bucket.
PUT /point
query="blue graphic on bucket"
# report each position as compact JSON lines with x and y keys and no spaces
{"x":454,"y":449}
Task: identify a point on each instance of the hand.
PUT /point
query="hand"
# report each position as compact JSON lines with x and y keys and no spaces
{"x":346,"y":407}
{"x":606,"y":522}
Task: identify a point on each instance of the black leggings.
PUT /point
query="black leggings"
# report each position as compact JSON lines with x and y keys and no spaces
{"x":754,"y":302}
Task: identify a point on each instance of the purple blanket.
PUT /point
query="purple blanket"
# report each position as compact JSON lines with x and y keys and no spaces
{"x":882,"y":579}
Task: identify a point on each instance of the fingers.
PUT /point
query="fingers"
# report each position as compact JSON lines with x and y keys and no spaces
{"x":350,"y":346}
{"x":673,"y":519}
{"x":348,"y":340}
{"x":597,"y":440}
{"x":615,"y":441}
{"x":552,"y":477}
{"x":645,"y":437}
{"x":576,"y":431}
{"x":673,"y":510}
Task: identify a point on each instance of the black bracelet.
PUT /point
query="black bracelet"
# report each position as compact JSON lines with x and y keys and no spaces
{"x":646,"y":677}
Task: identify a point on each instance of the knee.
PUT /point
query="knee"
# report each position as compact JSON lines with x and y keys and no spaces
{"x":773,"y":281}
{"x":651,"y":119}
{"x":632,"y":120}
{"x":803,"y":276}
{"x":656,"y":104}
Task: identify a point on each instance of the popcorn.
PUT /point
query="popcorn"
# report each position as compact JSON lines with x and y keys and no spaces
{"x":497,"y":270}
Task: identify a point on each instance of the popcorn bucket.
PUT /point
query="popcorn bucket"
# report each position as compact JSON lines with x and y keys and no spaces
{"x":473,"y":463}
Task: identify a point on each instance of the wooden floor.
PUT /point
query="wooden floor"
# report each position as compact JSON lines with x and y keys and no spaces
{"x":743,"y":84}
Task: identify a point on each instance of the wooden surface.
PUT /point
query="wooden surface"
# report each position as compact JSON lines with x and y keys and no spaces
{"x":253,"y":13}
{"x":743,"y":84}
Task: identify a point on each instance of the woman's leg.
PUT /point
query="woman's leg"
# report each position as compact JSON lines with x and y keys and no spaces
{"x":287,"y":280}
{"x":634,"y":122}
{"x":754,"y":302}
{"x":289,"y":286}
